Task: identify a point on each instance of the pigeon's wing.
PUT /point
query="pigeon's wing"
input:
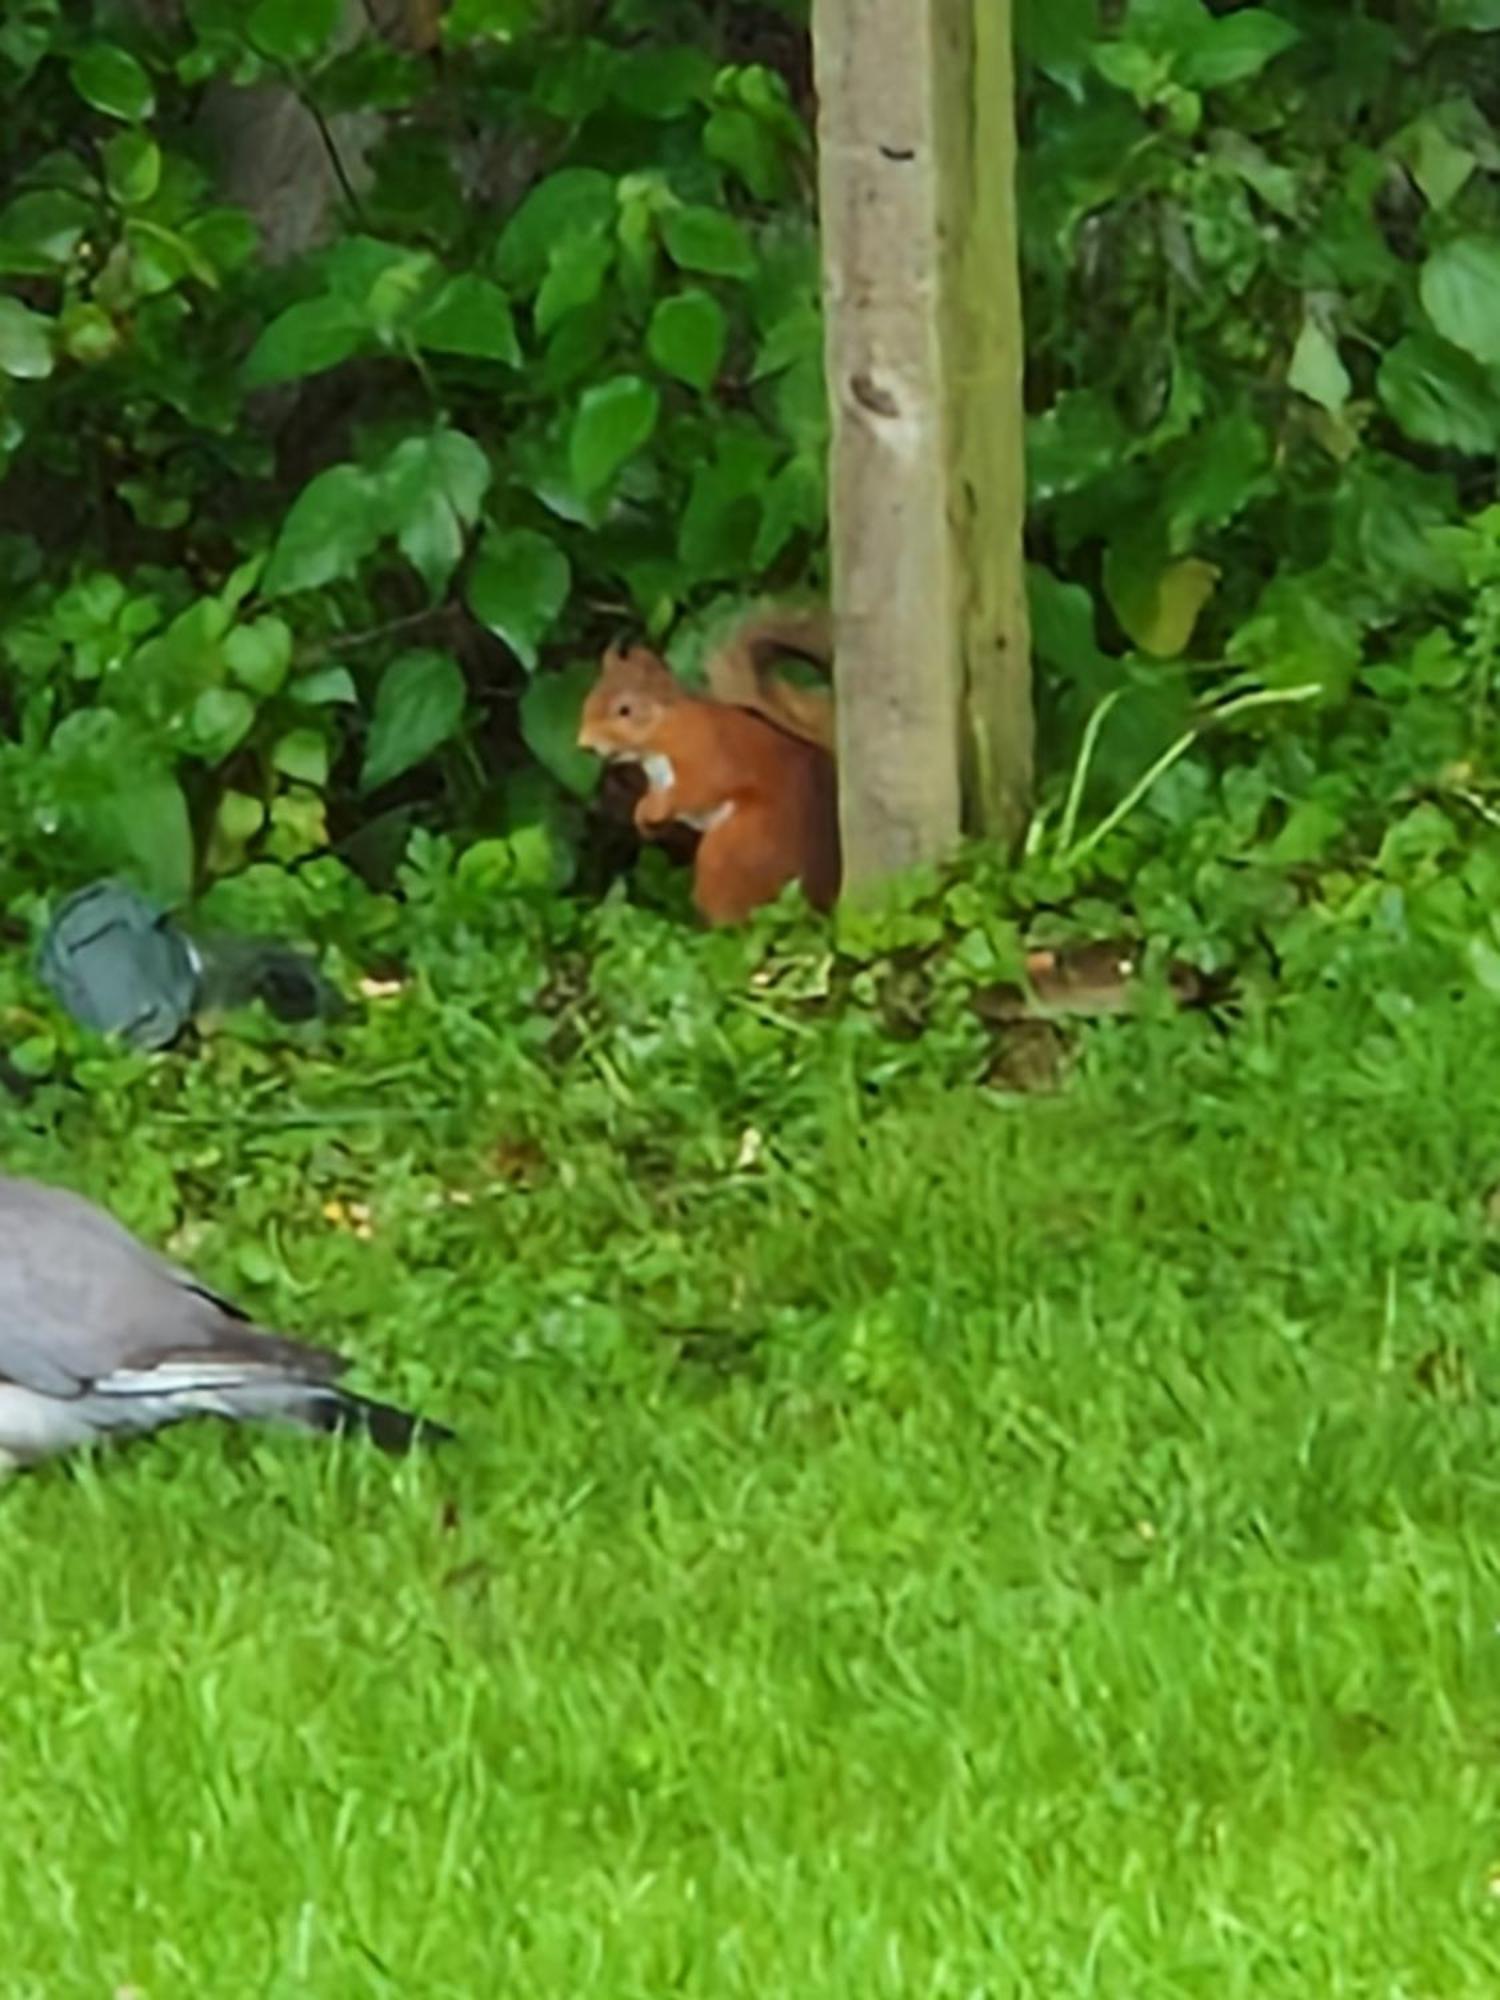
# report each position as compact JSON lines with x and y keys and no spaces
{"x":82,"y":1300}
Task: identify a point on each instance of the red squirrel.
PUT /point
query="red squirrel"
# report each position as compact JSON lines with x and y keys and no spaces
{"x":749,"y":765}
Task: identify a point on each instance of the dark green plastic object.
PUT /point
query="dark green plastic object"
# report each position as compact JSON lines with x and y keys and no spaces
{"x":119,"y":965}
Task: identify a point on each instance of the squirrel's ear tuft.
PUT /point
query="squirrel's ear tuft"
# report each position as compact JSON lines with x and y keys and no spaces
{"x":617,"y":652}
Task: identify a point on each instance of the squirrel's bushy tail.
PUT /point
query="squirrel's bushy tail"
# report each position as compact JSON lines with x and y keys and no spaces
{"x":739,"y":670}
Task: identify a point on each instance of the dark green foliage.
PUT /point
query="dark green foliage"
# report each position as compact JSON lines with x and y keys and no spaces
{"x":299,"y":556}
{"x":283,"y":547}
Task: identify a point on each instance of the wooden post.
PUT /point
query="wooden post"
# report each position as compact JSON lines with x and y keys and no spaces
{"x":917,"y":164}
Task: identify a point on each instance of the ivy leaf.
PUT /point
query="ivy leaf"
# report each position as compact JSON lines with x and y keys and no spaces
{"x":665,"y":83}
{"x":112,"y":81}
{"x":725,"y":507}
{"x":222,"y":718}
{"x":1058,"y":35}
{"x":334,"y":523}
{"x":1221,"y":470}
{"x":575,"y":277}
{"x":469,"y":316}
{"x":738,"y":139}
{"x":1480,"y":15}
{"x":706,"y":239}
{"x":25,"y":342}
{"x":796,"y":336}
{"x":147,"y":820}
{"x":236,"y":823}
{"x":305,"y":340}
{"x":686,"y":338}
{"x":1296,"y":636}
{"x":613,"y":421}
{"x":132,"y":168}
{"x":1440,"y":395}
{"x":1232,"y":47}
{"x":302,"y":756}
{"x":1063,"y":635}
{"x":1460,"y":289}
{"x":573,"y":201}
{"x":89,"y":336}
{"x":40,"y":231}
{"x":796,"y":501}
{"x":293,"y":31}
{"x":550,"y":708}
{"x":518,"y":585}
{"x":434,"y":488}
{"x":1440,"y":166}
{"x":418,"y":707}
{"x":1316,"y":370}
{"x":323,"y":687}
{"x":258,"y":655}
{"x":1158,"y":606}
{"x":488,"y":20}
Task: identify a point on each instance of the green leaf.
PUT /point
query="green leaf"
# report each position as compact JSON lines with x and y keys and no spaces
{"x":236,"y":823}
{"x":1074,"y":443}
{"x":112,"y":81}
{"x":323,"y":687}
{"x":1063,"y":634}
{"x":578,"y":199}
{"x":575,"y":277}
{"x":132,"y":168}
{"x":293,"y":31}
{"x":550,"y":708}
{"x":40,"y":231}
{"x":302,"y":756}
{"x":665,"y":82}
{"x":706,"y":239}
{"x":725,"y":508}
{"x":1235,"y":46}
{"x":25,"y":342}
{"x":1058,"y":36}
{"x":518,"y":585}
{"x":738,"y":139}
{"x":488,"y":20}
{"x":1316,"y":370}
{"x":224,"y":238}
{"x":686,"y":338}
{"x":418,"y":707}
{"x":1158,"y":607}
{"x":1440,"y":395}
{"x":613,"y":421}
{"x":1480,"y":15}
{"x":258,"y":655}
{"x":88,"y":334}
{"x":797,"y":336}
{"x":222,"y":718}
{"x":1311,"y":827}
{"x":1296,"y":636}
{"x":305,"y":340}
{"x":334,"y":523}
{"x":148,"y":821}
{"x":1220,"y":469}
{"x":1460,"y":289}
{"x":796,"y":501}
{"x":472,"y":317}
{"x":1439,"y":165}
{"x":434,"y":488}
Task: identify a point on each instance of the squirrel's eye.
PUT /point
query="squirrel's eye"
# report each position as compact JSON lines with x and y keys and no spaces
{"x":623,"y":709}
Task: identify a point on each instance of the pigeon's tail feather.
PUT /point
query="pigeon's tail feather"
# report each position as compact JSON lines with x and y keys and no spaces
{"x":339,"y":1412}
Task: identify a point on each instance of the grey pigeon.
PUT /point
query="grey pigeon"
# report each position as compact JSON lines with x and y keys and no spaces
{"x":100,"y":1337}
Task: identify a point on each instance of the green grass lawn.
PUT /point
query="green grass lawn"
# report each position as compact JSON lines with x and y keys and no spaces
{"x":939,"y":1545}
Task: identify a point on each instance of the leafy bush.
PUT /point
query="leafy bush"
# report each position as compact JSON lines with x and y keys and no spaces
{"x":286,"y":540}
{"x":302,"y":547}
